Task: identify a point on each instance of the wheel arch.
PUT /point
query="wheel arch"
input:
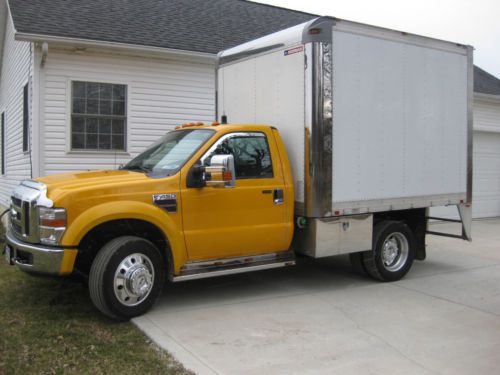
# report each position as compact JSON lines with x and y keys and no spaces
{"x":100,"y":224}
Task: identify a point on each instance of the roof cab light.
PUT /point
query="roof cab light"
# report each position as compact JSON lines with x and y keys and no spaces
{"x":52,"y":224}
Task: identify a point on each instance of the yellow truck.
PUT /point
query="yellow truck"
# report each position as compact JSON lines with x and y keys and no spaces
{"x":348,"y":167}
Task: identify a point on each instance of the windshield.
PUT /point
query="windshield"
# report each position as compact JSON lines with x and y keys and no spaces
{"x":166,"y":156}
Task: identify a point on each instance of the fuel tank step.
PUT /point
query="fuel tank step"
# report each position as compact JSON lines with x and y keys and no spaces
{"x":228,"y":266}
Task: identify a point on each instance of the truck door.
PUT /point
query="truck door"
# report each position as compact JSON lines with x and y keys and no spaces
{"x":246,"y":219}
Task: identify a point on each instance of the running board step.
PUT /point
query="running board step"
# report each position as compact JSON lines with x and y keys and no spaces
{"x":228,"y":266}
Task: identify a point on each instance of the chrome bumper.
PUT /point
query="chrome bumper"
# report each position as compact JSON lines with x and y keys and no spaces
{"x":34,"y":258}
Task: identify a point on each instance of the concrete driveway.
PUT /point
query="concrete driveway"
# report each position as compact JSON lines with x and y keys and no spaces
{"x":320,"y":318}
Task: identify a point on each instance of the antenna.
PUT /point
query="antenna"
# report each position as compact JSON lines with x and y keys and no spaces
{"x":217,"y":72}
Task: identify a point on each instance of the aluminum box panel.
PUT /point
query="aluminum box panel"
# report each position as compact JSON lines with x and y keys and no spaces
{"x":399,"y":120}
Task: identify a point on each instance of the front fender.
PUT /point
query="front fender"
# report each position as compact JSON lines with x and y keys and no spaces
{"x":120,"y":210}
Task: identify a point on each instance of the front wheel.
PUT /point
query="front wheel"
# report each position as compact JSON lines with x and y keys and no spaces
{"x":393,"y":251}
{"x":126,"y":277}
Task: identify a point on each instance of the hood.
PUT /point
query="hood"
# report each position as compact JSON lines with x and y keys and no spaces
{"x":64,"y":182}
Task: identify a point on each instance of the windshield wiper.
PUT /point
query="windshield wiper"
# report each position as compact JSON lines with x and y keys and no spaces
{"x":137,"y":168}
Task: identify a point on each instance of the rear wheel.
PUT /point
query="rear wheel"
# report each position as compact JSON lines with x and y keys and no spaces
{"x":126,"y":277}
{"x":393,"y":251}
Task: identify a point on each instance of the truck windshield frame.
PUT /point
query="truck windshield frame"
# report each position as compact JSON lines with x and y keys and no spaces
{"x":169,"y":154}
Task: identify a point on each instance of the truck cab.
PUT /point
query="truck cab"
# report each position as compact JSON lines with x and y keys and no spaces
{"x":204,"y":200}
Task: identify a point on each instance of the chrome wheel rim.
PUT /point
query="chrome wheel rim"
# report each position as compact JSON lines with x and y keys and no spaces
{"x":395,"y":250}
{"x":134,"y":279}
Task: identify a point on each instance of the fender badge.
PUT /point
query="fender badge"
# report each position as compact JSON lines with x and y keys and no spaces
{"x":166,"y":201}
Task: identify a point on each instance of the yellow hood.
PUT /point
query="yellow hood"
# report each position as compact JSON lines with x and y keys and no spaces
{"x":65,"y":182}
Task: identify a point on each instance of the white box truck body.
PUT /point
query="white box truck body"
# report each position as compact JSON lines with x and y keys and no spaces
{"x":373,"y":119}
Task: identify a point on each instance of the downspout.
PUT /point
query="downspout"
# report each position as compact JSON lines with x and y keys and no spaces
{"x":45,"y":51}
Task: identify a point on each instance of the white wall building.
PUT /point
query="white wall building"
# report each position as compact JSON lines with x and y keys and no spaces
{"x":89,"y":85}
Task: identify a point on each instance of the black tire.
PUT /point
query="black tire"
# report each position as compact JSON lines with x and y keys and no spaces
{"x":397,"y":259}
{"x":126,"y":277}
{"x":357,"y":263}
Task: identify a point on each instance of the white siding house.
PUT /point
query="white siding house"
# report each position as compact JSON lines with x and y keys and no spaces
{"x":16,"y":73}
{"x":103,"y":82}
{"x":161,"y":92}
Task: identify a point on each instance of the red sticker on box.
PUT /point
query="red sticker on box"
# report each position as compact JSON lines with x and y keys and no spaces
{"x":291,"y":51}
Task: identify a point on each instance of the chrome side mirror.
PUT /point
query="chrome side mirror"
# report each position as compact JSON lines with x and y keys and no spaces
{"x":221,"y":172}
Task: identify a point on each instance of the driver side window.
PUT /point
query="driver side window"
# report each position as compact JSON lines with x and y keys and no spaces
{"x":252,"y":158}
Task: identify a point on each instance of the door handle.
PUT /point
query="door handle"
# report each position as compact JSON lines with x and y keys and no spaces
{"x":278,"y":196}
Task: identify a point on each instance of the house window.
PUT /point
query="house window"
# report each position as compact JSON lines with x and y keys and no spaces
{"x":26,"y":119}
{"x":98,"y":116}
{"x":2,"y":130}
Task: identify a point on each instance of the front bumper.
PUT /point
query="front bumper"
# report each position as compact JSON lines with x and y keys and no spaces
{"x":35,"y":258}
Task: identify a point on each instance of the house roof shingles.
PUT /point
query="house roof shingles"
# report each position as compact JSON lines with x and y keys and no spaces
{"x":485,"y":83}
{"x":192,"y":25}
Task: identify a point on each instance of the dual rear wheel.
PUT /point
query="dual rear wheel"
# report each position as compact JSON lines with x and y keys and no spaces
{"x":392,"y":255}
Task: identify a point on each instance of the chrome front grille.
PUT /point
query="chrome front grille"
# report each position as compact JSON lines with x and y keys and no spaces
{"x":25,"y":200}
{"x":16,"y":216}
{"x":24,"y":219}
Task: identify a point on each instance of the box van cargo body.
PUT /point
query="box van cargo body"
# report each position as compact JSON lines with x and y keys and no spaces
{"x":374,"y":120}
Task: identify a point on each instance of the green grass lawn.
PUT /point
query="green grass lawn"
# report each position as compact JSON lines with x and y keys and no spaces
{"x":49,"y":326}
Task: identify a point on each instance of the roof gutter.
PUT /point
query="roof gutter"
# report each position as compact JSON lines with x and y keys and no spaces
{"x":115,"y":45}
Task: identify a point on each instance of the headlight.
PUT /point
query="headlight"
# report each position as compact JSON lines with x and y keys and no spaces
{"x":52,"y":224}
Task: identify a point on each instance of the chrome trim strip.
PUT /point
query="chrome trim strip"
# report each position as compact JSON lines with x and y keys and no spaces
{"x":233,"y":265}
{"x":46,"y":259}
{"x":221,"y":262}
{"x":318,"y":186}
{"x":232,"y":271}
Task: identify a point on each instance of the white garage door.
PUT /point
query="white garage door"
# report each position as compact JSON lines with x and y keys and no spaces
{"x":486,"y":181}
